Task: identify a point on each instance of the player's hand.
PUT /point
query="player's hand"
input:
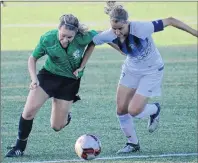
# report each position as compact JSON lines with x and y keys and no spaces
{"x":34,"y":84}
{"x":78,"y":72}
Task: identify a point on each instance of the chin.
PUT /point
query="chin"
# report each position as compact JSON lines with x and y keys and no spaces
{"x":119,"y":35}
{"x":64,"y":45}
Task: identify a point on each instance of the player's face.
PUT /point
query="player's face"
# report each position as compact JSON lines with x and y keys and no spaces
{"x":119,"y":28}
{"x":65,"y":36}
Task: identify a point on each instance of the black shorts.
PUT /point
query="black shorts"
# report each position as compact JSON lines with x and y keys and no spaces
{"x":59,"y":87}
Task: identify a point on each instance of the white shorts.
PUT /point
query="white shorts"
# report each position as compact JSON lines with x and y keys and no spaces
{"x":148,"y":85}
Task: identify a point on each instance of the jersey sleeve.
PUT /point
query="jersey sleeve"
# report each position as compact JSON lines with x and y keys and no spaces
{"x":39,"y":51}
{"x":145,"y":29}
{"x":104,"y":37}
{"x":85,"y":39}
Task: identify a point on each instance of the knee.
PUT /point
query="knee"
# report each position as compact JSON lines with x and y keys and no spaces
{"x":134,"y":111}
{"x":29,"y":112}
{"x":28,"y":115}
{"x":121,"y":109}
{"x":56,"y":128}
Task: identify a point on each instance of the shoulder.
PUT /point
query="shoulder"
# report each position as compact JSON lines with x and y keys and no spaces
{"x":141,"y":28}
{"x":90,"y":33}
{"x":49,"y":37}
{"x":106,"y":36}
{"x":108,"y":33}
{"x":136,"y":26}
{"x":85,"y":38}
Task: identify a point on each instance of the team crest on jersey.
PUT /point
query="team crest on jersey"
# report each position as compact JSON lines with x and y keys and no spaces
{"x":76,"y":54}
{"x":132,"y":46}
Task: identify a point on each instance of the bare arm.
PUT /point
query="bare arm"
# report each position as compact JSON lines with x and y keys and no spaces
{"x":116,"y":48}
{"x":32,"y":71}
{"x":87,"y":54}
{"x":180,"y":25}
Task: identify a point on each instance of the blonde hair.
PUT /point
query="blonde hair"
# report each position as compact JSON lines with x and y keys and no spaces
{"x":116,"y":12}
{"x":72,"y":23}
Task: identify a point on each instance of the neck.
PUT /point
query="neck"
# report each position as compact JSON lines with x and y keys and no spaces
{"x":128,"y":30}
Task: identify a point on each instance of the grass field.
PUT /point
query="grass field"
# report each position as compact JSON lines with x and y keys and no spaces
{"x":25,"y":22}
{"x":95,"y":113}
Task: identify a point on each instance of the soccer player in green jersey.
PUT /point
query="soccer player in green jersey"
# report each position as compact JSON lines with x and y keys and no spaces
{"x":59,"y":78}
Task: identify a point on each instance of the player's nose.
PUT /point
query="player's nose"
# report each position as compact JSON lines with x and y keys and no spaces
{"x":117,"y":32}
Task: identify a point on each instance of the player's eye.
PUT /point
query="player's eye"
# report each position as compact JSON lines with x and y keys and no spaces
{"x":117,"y":28}
{"x":63,"y":35}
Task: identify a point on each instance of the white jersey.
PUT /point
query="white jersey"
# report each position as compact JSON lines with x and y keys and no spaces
{"x":142,"y":54}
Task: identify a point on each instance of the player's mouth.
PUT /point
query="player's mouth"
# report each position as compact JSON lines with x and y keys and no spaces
{"x":64,"y":45}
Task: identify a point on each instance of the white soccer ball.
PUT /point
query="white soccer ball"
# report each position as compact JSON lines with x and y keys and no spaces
{"x":88,"y":147}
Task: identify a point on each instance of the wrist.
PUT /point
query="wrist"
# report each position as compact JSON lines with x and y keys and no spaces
{"x":81,"y":68}
{"x":35,"y":80}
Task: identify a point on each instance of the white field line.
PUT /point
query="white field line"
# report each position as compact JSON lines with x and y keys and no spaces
{"x":190,"y":22}
{"x":120,"y":157}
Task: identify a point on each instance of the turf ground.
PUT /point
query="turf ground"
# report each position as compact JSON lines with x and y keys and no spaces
{"x":174,"y":141}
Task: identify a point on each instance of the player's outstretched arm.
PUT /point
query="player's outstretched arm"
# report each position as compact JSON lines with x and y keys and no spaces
{"x":32,"y":70}
{"x":86,"y":56}
{"x":180,"y":25}
{"x":116,"y":47}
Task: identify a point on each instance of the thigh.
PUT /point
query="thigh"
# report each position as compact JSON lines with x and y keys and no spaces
{"x":137,"y":104}
{"x":36,"y":98}
{"x":60,"y":110}
{"x":68,"y":89}
{"x":128,"y":78}
{"x":150,"y":85}
{"x":124,"y":96}
{"x":49,"y":82}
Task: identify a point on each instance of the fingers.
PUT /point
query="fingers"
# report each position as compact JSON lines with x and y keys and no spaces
{"x":33,"y":85}
{"x":76,"y":73}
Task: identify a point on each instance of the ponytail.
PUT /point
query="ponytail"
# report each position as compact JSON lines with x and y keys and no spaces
{"x":116,"y":12}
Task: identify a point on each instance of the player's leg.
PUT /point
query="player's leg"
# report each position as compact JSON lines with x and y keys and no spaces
{"x":126,"y":89}
{"x":60,"y":115}
{"x":64,"y":96}
{"x":35,"y":100}
{"x":124,"y":96}
{"x":149,"y":86}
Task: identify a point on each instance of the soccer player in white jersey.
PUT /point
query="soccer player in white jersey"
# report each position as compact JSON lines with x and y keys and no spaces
{"x":142,"y":71}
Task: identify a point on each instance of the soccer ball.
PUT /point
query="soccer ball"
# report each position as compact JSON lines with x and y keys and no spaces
{"x":88,"y":147}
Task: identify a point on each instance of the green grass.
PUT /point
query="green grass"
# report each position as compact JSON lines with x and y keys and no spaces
{"x":36,"y":10}
{"x":95,"y":113}
{"x":25,"y":38}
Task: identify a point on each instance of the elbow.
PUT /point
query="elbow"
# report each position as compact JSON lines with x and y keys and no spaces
{"x":31,"y":60}
{"x":171,"y":20}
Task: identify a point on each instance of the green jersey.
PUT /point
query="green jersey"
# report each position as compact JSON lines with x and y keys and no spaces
{"x":62,"y":61}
